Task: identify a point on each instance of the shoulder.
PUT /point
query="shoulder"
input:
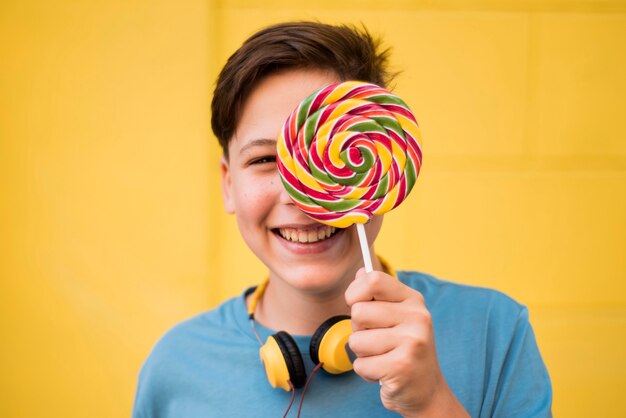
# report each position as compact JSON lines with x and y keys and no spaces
{"x":199,"y":330}
{"x":469,"y":312}
{"x":484,"y":340}
{"x":457,"y":298}
{"x":183,"y":351}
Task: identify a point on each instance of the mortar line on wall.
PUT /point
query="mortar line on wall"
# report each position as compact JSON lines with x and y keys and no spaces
{"x":525,"y":149}
{"x":216,"y":270}
{"x":520,"y":6}
{"x":531,"y":119}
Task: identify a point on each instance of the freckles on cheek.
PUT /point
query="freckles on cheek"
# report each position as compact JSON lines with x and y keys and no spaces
{"x":253,"y":197}
{"x":254,"y":193}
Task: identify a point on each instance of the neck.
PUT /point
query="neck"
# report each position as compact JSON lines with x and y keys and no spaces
{"x":299,"y":312}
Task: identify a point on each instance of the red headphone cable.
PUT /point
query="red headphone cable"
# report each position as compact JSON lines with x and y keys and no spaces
{"x":293,"y":397}
{"x":306,"y":385}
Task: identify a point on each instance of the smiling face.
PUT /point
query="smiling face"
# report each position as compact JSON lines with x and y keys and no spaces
{"x":297,"y":250}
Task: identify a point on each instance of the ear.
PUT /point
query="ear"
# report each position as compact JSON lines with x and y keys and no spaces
{"x":227,"y":193}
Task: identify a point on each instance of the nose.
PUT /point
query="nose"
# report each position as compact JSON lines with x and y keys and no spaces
{"x":283,"y":196}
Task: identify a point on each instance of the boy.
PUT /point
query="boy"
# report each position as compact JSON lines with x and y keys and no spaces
{"x":421,"y":347}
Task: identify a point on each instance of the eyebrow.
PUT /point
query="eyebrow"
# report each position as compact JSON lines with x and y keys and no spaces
{"x":261,"y":142}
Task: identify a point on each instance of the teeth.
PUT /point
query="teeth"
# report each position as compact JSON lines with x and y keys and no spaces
{"x":307,"y":235}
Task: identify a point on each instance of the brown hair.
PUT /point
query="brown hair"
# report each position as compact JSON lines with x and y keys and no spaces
{"x":350,"y":52}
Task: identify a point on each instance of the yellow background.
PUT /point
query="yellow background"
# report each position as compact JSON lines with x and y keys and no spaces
{"x":111,"y":224}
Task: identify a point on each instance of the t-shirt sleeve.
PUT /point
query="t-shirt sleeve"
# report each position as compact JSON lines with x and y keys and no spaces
{"x":142,"y":397}
{"x":523,"y":387}
{"x":155,"y":384}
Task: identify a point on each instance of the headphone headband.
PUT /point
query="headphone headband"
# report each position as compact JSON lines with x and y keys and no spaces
{"x":328,"y":349}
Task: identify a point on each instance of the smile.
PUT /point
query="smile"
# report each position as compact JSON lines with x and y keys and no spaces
{"x":307,"y":236}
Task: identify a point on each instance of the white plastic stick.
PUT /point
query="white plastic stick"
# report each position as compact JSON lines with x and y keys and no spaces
{"x":365,"y":249}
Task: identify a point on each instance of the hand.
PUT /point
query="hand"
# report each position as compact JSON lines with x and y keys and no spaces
{"x":394,"y":342}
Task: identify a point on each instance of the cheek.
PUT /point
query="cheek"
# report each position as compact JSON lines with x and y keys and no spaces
{"x":255,"y":198}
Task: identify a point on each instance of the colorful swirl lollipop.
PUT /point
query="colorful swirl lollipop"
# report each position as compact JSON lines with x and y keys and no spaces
{"x":348,"y":152}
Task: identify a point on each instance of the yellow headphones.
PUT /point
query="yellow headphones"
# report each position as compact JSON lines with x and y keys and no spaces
{"x":282,"y":359}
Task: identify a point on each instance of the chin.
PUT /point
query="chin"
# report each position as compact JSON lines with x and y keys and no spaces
{"x":319,"y":278}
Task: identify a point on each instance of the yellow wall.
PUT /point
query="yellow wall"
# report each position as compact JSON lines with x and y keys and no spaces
{"x":111,"y":226}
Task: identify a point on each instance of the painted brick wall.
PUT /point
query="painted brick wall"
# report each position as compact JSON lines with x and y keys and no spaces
{"x":111,"y":226}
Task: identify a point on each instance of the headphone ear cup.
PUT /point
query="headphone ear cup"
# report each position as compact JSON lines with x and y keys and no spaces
{"x":283,"y":361}
{"x":328,"y":345}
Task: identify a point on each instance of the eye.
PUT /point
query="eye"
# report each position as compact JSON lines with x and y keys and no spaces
{"x":266,"y":159}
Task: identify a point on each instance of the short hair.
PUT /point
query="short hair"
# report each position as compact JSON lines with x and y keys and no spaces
{"x":350,"y":52}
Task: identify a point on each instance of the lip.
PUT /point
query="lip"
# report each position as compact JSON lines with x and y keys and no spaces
{"x":307,"y":248}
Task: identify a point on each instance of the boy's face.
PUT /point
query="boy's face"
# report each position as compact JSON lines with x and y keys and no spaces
{"x":294,"y":247}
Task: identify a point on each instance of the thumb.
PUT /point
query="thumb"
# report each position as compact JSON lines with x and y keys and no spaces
{"x":360,"y":272}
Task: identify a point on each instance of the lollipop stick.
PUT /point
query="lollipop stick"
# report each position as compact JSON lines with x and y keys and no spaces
{"x":365,"y":249}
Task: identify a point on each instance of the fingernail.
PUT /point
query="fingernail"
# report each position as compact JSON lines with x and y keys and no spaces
{"x":351,"y":354}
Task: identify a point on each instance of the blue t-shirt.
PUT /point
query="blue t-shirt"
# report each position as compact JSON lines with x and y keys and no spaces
{"x":209,"y":366}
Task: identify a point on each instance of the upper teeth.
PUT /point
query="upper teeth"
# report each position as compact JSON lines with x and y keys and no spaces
{"x":307,"y":235}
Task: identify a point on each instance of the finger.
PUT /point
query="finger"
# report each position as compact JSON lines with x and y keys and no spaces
{"x":392,"y":365}
{"x":374,"y":368}
{"x":372,"y":342}
{"x":375,"y":314}
{"x":376,"y":285}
